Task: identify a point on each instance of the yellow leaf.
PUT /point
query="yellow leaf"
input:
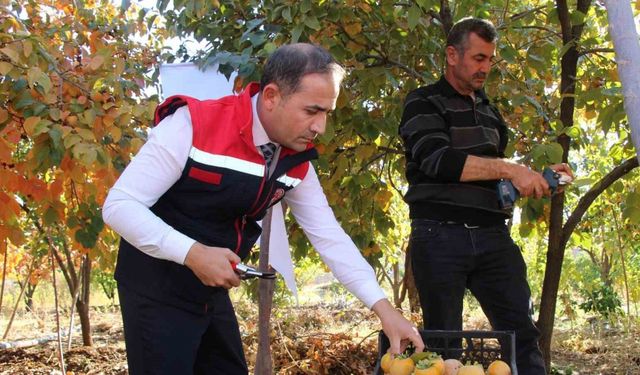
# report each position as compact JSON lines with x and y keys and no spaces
{"x":116,"y":133}
{"x":86,"y":134}
{"x":119,"y":68}
{"x":136,"y":143}
{"x":30,"y":124}
{"x":55,"y":114}
{"x":11,"y":53}
{"x":71,"y":140}
{"x":353,"y":29}
{"x":637,"y":4}
{"x":5,"y":67}
{"x":4,"y":115}
{"x":96,"y":61}
{"x":66,"y":130}
{"x":27,"y":48}
{"x":613,"y":73}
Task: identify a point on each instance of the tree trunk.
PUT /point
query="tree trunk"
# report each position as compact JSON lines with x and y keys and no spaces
{"x":3,"y":247}
{"x":625,"y":42}
{"x":82,"y":305}
{"x":555,"y":254}
{"x":555,"y":257}
{"x":410,"y":283}
{"x":29,"y":290}
{"x":264,"y":363}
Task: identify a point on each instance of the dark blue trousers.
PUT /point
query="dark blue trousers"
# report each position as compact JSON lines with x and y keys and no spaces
{"x":449,"y":258}
{"x":165,"y":339}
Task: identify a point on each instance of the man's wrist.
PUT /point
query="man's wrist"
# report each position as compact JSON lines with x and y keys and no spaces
{"x":382,"y":308}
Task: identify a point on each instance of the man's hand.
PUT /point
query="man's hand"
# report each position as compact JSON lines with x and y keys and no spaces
{"x":212,"y":265}
{"x":398,"y":329}
{"x":528,"y":182}
{"x":565,"y":169}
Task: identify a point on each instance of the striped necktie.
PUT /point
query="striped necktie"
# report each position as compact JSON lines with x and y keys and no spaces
{"x":268,"y":150}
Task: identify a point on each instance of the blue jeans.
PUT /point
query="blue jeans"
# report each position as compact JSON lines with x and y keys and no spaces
{"x":448,"y":258}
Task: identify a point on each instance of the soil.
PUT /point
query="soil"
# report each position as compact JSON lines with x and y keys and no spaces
{"x":305,"y":340}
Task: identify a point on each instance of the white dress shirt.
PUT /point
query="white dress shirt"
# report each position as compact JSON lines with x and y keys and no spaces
{"x":159,"y":164}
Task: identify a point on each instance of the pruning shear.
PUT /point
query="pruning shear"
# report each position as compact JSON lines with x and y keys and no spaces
{"x":248,"y":272}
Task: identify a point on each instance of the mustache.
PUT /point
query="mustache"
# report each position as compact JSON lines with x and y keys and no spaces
{"x":480,"y":75}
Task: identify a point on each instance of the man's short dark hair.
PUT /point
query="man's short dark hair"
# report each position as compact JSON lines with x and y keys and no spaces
{"x":459,"y":34}
{"x":289,"y":63}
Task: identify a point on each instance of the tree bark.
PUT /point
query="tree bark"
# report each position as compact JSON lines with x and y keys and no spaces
{"x":83,"y":303}
{"x":410,"y":283}
{"x":625,"y":42}
{"x":4,"y":270}
{"x":555,"y":253}
{"x":555,"y":256}
{"x":264,"y":363}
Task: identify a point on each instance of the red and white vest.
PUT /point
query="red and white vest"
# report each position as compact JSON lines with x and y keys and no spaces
{"x":223,"y":191}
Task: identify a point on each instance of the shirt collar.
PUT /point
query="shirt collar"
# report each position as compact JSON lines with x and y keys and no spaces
{"x":448,"y":91}
{"x":260,"y":136}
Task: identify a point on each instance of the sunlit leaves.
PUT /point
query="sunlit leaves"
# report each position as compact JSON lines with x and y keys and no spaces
{"x":72,"y":110}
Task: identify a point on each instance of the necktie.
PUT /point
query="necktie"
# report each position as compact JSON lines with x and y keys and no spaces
{"x":268,"y":150}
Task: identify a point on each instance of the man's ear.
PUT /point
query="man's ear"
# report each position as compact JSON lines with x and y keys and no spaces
{"x":452,"y":55}
{"x":271,"y":95}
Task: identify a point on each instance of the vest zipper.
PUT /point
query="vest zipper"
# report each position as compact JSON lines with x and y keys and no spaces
{"x":264,"y":180}
{"x":266,"y":201}
{"x":239,"y":225}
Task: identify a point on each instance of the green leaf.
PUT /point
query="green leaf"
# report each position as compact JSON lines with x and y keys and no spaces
{"x":632,"y":214}
{"x":37,"y":76}
{"x":312,"y":23}
{"x":295,"y":34}
{"x":51,"y":216}
{"x":305,"y":6}
{"x":509,"y":54}
{"x":554,"y":153}
{"x":286,"y":13}
{"x":71,"y":140}
{"x":414,"y":16}
{"x":24,"y":101}
{"x":577,"y":17}
{"x":565,"y":48}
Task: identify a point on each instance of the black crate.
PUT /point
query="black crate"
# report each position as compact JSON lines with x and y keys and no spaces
{"x":480,"y":346}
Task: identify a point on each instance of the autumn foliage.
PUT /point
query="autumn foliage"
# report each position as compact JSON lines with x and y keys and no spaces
{"x":72,"y":112}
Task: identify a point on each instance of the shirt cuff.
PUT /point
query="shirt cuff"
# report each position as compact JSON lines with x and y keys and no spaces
{"x":177,"y":246}
{"x":451,"y":165}
{"x":372,"y":294}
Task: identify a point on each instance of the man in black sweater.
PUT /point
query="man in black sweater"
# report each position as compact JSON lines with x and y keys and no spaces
{"x":454,"y":146}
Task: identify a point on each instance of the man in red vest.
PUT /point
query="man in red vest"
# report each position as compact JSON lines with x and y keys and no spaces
{"x":187,"y":206}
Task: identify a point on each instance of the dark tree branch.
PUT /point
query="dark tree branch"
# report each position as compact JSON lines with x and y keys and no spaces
{"x":543,"y":28}
{"x":565,"y":21}
{"x":587,"y":199}
{"x":445,"y":16}
{"x":527,"y":12}
{"x":595,"y":50}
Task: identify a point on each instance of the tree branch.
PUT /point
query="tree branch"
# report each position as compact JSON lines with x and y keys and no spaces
{"x":595,"y":191}
{"x":595,"y":50}
{"x":525,"y":13}
{"x":565,"y":21}
{"x":543,"y":28}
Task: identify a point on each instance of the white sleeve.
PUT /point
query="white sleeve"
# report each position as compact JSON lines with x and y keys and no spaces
{"x":311,"y":210}
{"x":156,"y":167}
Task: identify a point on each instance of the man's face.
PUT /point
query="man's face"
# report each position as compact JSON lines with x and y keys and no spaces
{"x":470,"y":70}
{"x":294,"y":120}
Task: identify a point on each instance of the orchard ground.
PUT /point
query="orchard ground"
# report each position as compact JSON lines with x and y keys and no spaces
{"x":310,"y":338}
